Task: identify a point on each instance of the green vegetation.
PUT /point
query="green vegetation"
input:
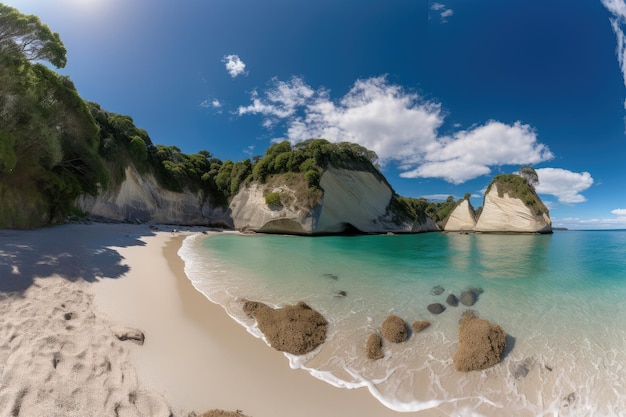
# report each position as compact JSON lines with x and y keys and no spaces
{"x":273,"y":199}
{"x":518,"y":187}
{"x":55,"y":147}
{"x":420,"y":208}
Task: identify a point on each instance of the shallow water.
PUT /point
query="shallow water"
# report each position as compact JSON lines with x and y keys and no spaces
{"x":559,"y":297}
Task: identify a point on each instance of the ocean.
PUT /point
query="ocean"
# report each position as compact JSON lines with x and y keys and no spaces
{"x":561,"y":299}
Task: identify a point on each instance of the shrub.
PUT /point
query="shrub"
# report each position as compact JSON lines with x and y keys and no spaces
{"x":273,"y":200}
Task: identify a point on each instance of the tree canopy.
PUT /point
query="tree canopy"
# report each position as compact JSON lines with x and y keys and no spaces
{"x":25,"y":35}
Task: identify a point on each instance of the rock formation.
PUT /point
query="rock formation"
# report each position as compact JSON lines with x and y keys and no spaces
{"x":374,"y":347}
{"x":504,"y":212}
{"x":352,"y":199}
{"x":481,"y":344}
{"x":462,"y":218}
{"x":293,"y":329}
{"x":139,"y":198}
{"x":394,"y":329}
{"x":452,"y":300}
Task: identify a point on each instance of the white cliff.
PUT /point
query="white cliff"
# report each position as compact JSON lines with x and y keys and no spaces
{"x":352,"y":199}
{"x":139,"y":198}
{"x":462,"y":218}
{"x":510,"y":214}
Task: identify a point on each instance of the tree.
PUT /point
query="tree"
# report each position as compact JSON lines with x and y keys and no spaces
{"x":530,"y":175}
{"x":25,"y":35}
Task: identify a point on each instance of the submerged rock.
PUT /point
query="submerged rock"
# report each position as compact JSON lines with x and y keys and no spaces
{"x":436,"y":308}
{"x":128,"y":333}
{"x":437,"y":290}
{"x":293,"y":329}
{"x":468,"y":298}
{"x":374,"y":347}
{"x":452,"y":300}
{"x":481,"y":344}
{"x":394,"y":329}
{"x":419,"y":325}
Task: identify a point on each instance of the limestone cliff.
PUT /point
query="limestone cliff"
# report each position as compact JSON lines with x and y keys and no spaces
{"x":141,"y":198}
{"x":352,"y":199}
{"x":504,"y":211}
{"x":462,"y":218}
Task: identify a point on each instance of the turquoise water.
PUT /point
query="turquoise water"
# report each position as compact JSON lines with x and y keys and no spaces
{"x":560,"y":298}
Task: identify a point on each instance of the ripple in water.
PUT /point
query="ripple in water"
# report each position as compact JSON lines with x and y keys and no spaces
{"x":559,"y":297}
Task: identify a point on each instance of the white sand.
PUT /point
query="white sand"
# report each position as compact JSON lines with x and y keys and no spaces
{"x":194,"y":358}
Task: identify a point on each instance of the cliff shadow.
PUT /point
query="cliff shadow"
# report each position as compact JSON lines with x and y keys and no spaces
{"x":72,"y":251}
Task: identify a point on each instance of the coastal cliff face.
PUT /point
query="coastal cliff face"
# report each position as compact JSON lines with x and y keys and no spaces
{"x":462,"y":218}
{"x":139,"y":198}
{"x":352,"y":199}
{"x":510,"y":214}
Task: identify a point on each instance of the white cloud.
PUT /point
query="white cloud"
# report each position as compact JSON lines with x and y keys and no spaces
{"x":565,"y":185}
{"x":576,"y":223}
{"x":444,"y":12}
{"x":234,"y":65}
{"x":399,"y":126}
{"x":618,"y":9}
{"x":619,"y":212}
{"x":216,"y":103}
{"x":205,"y":104}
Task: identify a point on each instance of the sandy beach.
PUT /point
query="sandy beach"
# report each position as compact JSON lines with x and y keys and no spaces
{"x":68,"y":293}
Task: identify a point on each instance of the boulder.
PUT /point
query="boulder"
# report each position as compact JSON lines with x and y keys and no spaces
{"x":295,"y":329}
{"x":419,"y":325}
{"x":452,"y":300}
{"x":394,"y":329}
{"x":481,"y":344}
{"x":468,"y":298}
{"x":374,"y":347}
{"x":436,"y":308}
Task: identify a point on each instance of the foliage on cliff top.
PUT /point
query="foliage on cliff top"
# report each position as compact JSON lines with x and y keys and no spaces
{"x":518,"y":187}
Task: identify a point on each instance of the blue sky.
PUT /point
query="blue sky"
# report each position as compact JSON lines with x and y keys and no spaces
{"x":448,"y":93}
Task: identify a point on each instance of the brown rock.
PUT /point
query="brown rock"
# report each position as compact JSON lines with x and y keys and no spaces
{"x":293,"y":329}
{"x":394,"y":329}
{"x":481,"y":344}
{"x":419,"y":325}
{"x":374,"y":347}
{"x":222,"y":413}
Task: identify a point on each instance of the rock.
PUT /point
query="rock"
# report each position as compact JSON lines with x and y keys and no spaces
{"x":128,"y":333}
{"x":481,"y":344}
{"x":394,"y":329}
{"x":503,"y":212}
{"x":352,"y":199}
{"x":222,"y":413}
{"x":341,"y":294}
{"x":468,"y":298}
{"x":419,"y":325}
{"x":452,"y":300}
{"x":462,"y":218}
{"x":293,"y":329}
{"x":522,"y":368}
{"x":436,"y":308}
{"x":374,"y":347}
{"x":437,"y":290}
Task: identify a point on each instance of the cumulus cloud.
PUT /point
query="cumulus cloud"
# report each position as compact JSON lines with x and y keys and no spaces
{"x":576,"y":223}
{"x":234,"y":65}
{"x":619,"y":212}
{"x":563,"y":184}
{"x":398,"y":125}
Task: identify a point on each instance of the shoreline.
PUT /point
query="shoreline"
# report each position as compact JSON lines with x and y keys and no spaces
{"x":199,"y":358}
